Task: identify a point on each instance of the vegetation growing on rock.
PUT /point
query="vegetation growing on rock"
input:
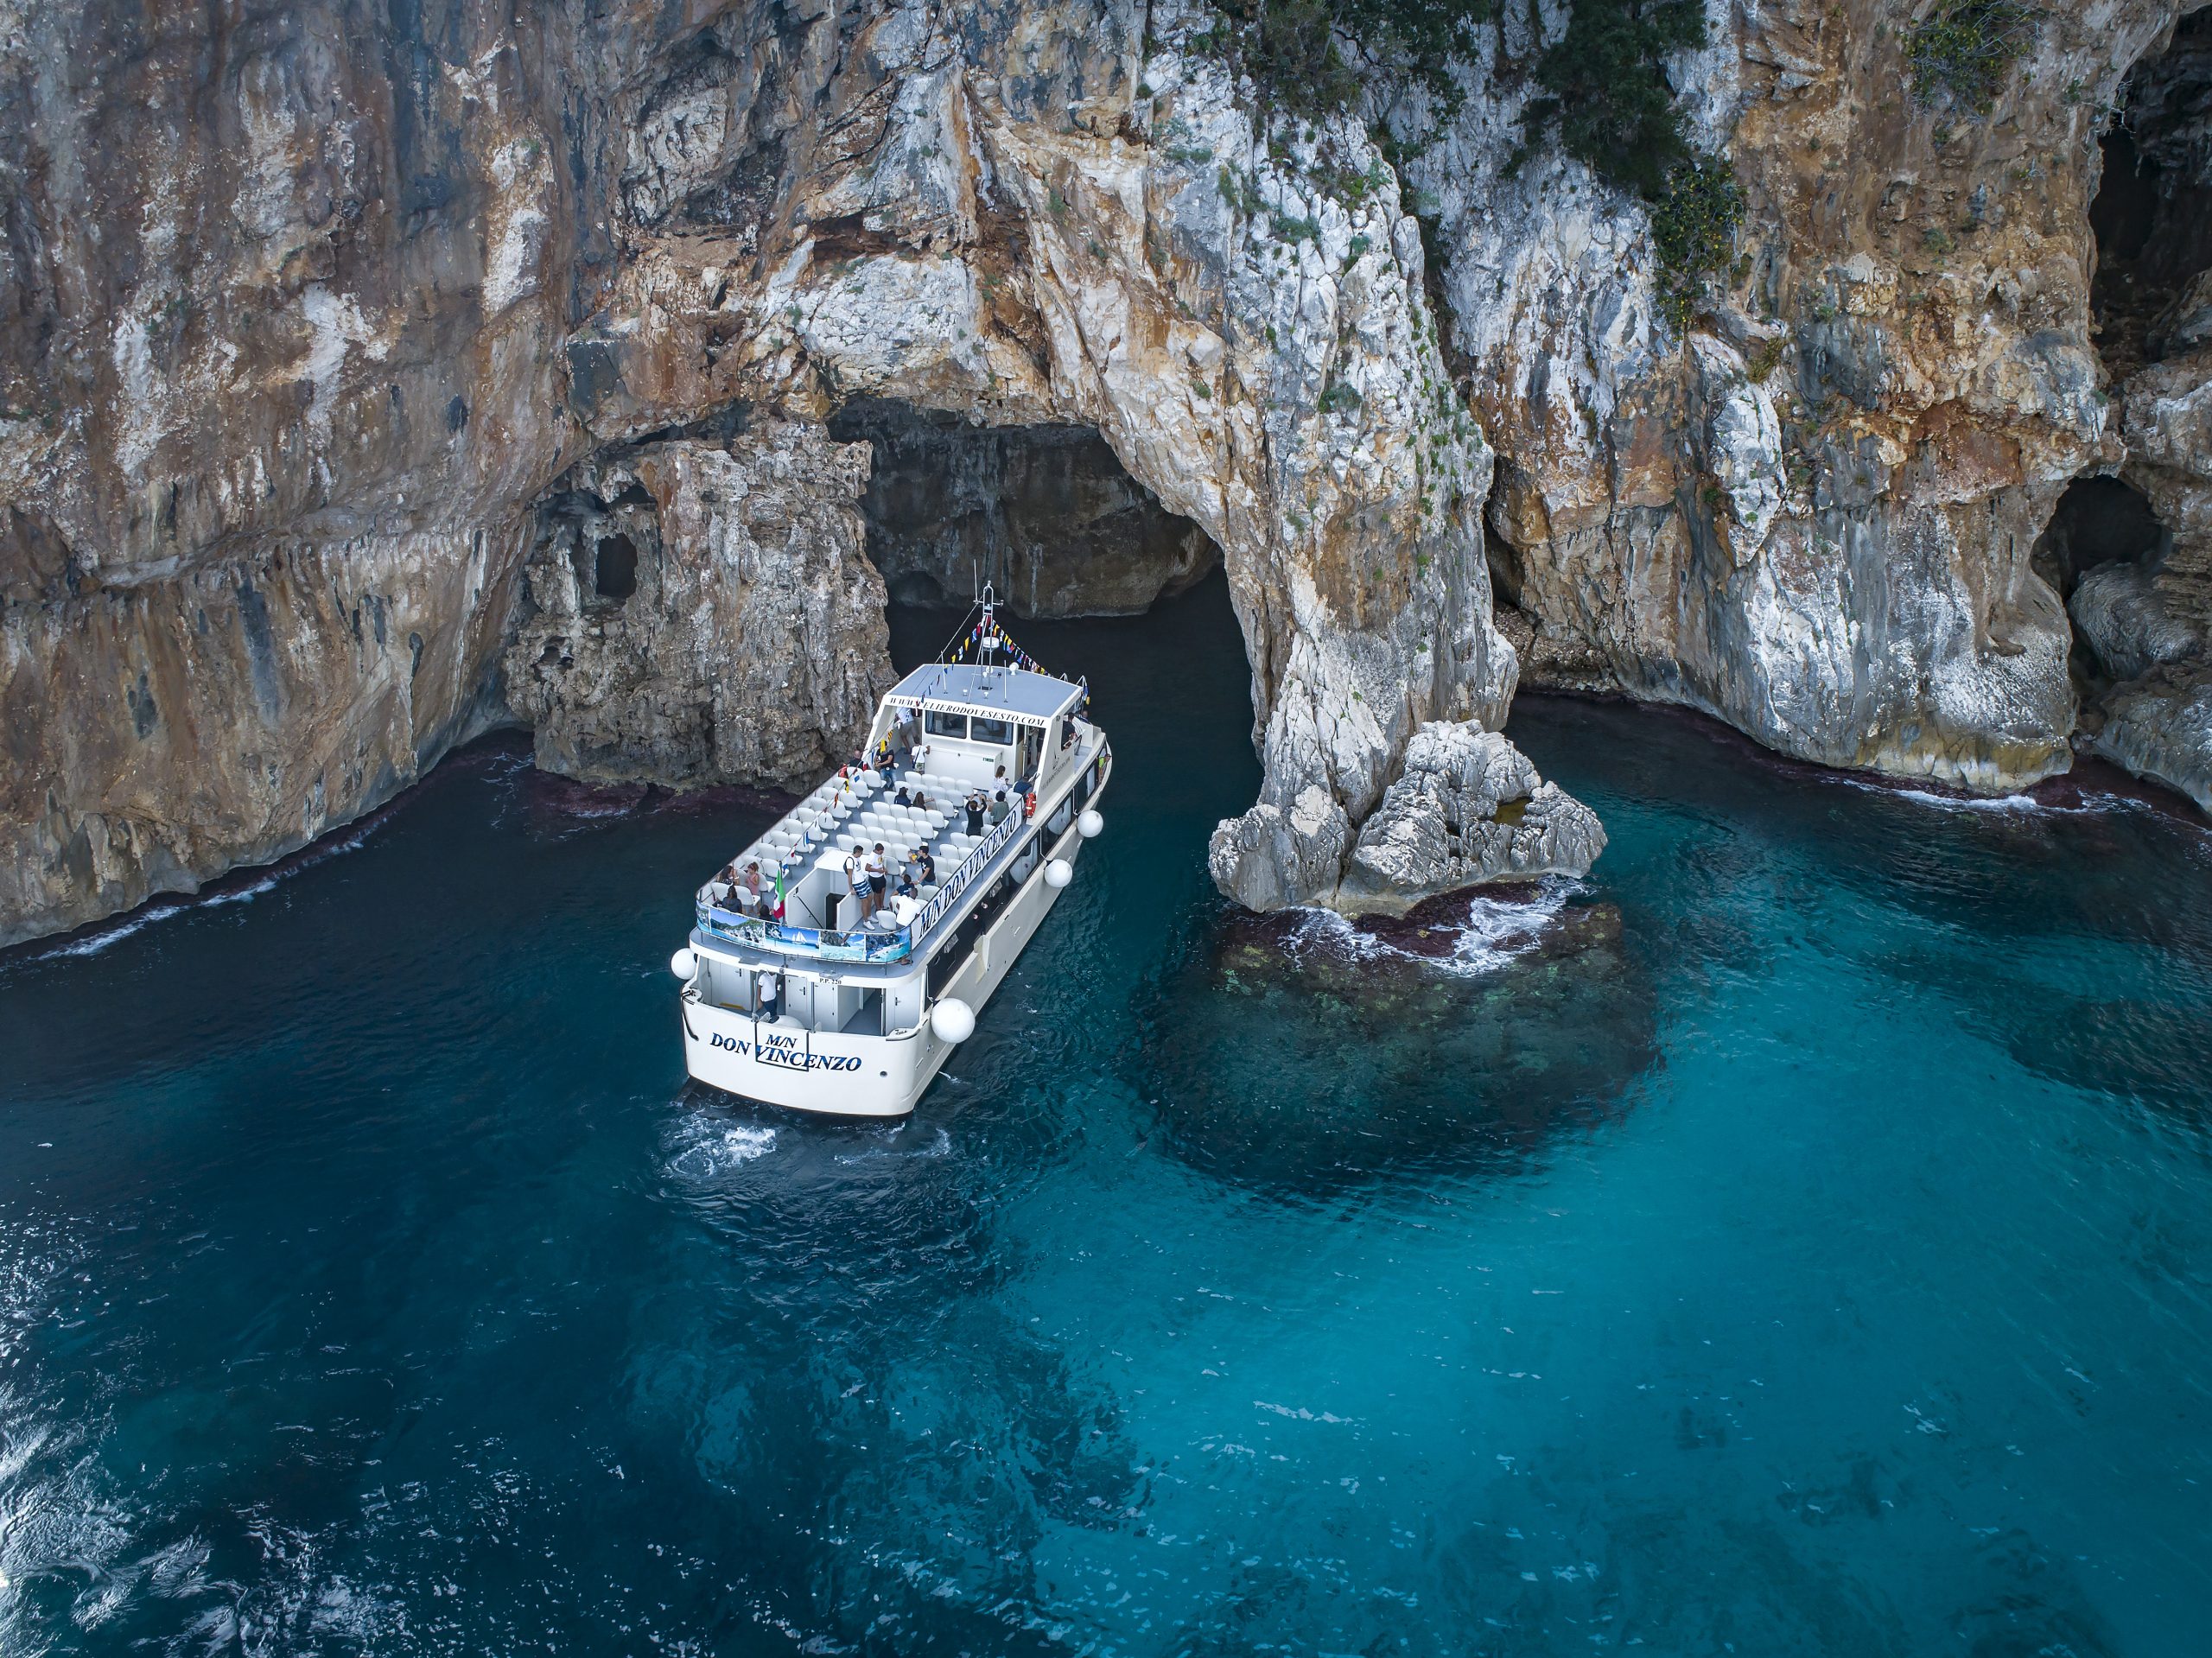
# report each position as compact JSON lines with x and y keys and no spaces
{"x":1968,"y":47}
{"x":1606,"y":91}
{"x":1289,"y":47}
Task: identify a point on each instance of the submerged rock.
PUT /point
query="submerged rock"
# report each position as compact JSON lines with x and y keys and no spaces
{"x":1300,"y":1054}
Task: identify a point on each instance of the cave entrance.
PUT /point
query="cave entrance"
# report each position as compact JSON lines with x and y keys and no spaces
{"x":1046,"y":514}
{"x":2098,"y":521}
{"x":2152,"y":215}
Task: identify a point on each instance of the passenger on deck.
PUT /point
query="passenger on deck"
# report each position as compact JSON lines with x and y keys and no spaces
{"x":999,"y":808}
{"x":907,"y":887}
{"x":878,"y":879}
{"x":928,"y":865}
{"x":751,"y":880}
{"x":902,"y":798}
{"x":855,"y":888}
{"x":764,"y":1000}
{"x":975,"y":811}
{"x":921,"y":801}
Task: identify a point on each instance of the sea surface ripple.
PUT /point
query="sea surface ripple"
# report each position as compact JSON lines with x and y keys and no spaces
{"x":1795,"y":1238}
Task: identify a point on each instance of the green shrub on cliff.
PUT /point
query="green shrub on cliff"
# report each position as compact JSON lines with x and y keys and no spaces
{"x":1289,"y":47}
{"x":1968,"y":47}
{"x":1693,"y":223}
{"x":1605,"y":86}
{"x":1606,"y":91}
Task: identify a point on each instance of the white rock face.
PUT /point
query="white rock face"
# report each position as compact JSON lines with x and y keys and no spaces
{"x":1250,"y":336}
{"x":1812,"y":516}
{"x":1469,"y":810}
{"x":2160,"y":727}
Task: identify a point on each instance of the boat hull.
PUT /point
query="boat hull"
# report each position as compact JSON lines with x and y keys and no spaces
{"x":844,"y":1075}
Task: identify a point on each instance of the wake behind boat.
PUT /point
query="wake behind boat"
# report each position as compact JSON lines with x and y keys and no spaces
{"x":811,"y":979}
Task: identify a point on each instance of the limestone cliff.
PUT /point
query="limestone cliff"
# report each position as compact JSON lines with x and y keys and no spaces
{"x":699,"y":612}
{"x":367,"y":377}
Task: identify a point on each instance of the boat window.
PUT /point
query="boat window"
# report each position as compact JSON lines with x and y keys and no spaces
{"x":948,"y":725}
{"x":991,"y":731}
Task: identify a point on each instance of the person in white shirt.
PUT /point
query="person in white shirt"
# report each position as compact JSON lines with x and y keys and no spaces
{"x":765,"y":999}
{"x":878,"y":878}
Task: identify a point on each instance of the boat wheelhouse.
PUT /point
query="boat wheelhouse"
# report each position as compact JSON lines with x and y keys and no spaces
{"x":798,"y":1001}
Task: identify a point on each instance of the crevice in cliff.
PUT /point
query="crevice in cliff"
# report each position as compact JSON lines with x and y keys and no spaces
{"x":2152,"y":215}
{"x":1046,"y":514}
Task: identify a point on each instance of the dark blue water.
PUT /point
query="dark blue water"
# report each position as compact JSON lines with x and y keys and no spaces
{"x":1799,"y":1243}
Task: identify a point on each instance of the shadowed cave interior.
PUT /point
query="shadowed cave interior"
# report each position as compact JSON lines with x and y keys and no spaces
{"x":1046,"y":514}
{"x":2152,"y":215}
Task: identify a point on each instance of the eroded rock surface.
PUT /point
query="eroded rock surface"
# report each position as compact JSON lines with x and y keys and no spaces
{"x":738,"y":633}
{"x":1470,"y":810}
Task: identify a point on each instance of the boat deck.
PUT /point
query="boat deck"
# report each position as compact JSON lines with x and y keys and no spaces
{"x":809,"y":843}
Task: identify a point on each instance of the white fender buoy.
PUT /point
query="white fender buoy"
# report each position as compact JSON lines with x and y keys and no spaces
{"x":1088,"y":825}
{"x":1058,"y":872}
{"x":683,"y":964}
{"x":953,"y":1019}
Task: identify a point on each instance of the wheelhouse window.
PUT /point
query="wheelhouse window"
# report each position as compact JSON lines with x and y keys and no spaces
{"x":942,"y":724}
{"x":999,"y":733}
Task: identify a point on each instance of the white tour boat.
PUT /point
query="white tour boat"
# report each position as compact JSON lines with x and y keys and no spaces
{"x":866,"y":1010}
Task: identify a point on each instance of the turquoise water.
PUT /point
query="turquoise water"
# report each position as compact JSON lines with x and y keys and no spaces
{"x":1794,"y":1240}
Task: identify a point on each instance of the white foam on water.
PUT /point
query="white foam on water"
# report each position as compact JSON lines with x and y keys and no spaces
{"x":1497,"y":931}
{"x":712,"y":1146}
{"x":939,"y":1144}
{"x":1299,"y":1414}
{"x":161,"y":908}
{"x":2091,"y":801}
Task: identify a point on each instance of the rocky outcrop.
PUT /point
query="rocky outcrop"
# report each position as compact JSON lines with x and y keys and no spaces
{"x":374,"y":287}
{"x":412,"y":298}
{"x":1045,"y":515}
{"x":1469,"y":810}
{"x":2146,"y":616}
{"x":2160,"y":726}
{"x":699,"y":611}
{"x":1092,"y":237}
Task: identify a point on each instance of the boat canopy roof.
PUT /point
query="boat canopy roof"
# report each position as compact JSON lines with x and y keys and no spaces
{"x":1001,"y":693}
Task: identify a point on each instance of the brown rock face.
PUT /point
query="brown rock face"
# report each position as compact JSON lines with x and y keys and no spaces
{"x":154,"y":735}
{"x":1813,"y":516}
{"x":391,"y":295}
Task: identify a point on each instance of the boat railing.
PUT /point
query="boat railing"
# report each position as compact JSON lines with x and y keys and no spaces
{"x":960,"y":879}
{"x":860,"y":944}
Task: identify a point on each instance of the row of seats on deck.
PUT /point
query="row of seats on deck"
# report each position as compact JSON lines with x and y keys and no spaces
{"x":859,"y":807}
